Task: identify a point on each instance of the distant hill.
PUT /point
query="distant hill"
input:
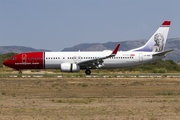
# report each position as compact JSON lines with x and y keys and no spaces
{"x":173,"y":43}
{"x":125,"y":45}
{"x":18,"y":49}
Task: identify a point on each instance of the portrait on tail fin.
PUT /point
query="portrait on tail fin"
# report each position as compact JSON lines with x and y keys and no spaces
{"x":159,"y":43}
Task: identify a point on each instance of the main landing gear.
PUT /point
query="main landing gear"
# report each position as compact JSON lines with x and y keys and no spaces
{"x":88,"y":72}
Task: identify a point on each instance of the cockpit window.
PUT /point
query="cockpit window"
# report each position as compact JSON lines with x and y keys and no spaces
{"x":13,"y":58}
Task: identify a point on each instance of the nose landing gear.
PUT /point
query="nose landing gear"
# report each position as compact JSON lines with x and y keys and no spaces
{"x":20,"y":72}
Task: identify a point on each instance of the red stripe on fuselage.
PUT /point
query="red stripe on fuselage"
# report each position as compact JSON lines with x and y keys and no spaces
{"x":26,"y":61}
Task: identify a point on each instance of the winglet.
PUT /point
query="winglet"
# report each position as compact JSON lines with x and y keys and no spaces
{"x":115,"y":50}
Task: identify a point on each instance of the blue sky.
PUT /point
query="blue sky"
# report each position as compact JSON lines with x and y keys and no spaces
{"x":57,"y":24}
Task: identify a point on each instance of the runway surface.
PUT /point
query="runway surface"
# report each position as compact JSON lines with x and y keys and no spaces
{"x":102,"y":75}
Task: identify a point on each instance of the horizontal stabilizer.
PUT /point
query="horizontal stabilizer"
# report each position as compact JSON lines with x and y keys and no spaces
{"x":163,"y":53}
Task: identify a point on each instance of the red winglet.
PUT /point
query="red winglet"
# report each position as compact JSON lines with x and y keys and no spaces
{"x":166,"y":23}
{"x":116,"y":49}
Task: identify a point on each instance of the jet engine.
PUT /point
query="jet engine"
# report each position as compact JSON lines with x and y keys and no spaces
{"x":70,"y":67}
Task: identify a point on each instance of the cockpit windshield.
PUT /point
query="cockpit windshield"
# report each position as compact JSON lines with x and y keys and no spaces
{"x":13,"y":58}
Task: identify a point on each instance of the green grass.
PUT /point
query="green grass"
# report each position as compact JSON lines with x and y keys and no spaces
{"x":166,"y":93}
{"x":164,"y":76}
{"x":126,"y":76}
{"x":19,"y":75}
{"x":164,"y":100}
{"x":66,"y":75}
{"x":84,"y":85}
{"x":4,"y":75}
{"x":13,"y":95}
{"x":137,"y":75}
{"x":49,"y":75}
{"x":35,"y":70}
{"x":80,"y":101}
{"x":55,"y":84}
{"x":37,"y":82}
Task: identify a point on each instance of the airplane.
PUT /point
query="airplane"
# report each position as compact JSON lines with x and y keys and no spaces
{"x":75,"y":61}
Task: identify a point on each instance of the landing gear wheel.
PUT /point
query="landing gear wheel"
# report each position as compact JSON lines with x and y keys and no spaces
{"x":20,"y":72}
{"x":88,"y":72}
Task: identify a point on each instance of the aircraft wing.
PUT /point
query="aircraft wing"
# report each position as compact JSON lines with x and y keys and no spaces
{"x":163,"y":53}
{"x":98,"y":61}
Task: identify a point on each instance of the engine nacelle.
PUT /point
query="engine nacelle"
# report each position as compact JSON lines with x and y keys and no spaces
{"x":70,"y":67}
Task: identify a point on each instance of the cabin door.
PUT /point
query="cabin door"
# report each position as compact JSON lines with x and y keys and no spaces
{"x":24,"y":58}
{"x":140,"y":57}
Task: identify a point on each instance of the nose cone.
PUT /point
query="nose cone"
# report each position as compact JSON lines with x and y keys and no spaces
{"x":5,"y":62}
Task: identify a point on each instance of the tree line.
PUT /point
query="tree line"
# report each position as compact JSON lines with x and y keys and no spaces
{"x":4,"y":57}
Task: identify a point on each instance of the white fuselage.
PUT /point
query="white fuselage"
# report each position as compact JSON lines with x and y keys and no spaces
{"x":53,"y":60}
